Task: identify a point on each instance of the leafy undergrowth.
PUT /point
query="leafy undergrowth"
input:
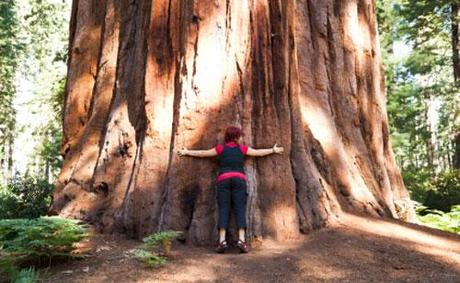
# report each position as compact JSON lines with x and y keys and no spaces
{"x":33,"y":242}
{"x":446,"y":221}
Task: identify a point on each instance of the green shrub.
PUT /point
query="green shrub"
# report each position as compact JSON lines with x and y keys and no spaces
{"x":445,"y":191}
{"x":440,"y":192}
{"x":25,"y":197}
{"x":418,"y":181}
{"x":35,"y":241}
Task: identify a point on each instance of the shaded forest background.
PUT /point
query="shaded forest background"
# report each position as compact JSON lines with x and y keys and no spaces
{"x":420,"y":47}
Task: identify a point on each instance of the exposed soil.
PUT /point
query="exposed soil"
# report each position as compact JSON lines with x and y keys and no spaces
{"x":355,"y":250}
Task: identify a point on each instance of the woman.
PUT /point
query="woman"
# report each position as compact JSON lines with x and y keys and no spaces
{"x":231,"y":181}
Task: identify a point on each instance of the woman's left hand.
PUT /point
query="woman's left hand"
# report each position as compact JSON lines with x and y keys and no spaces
{"x":277,"y":149}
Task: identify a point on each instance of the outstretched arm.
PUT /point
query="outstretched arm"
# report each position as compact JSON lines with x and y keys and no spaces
{"x":198,"y":153}
{"x":264,"y":152}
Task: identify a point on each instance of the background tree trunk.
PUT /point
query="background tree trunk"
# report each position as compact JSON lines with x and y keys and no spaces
{"x":147,"y":78}
{"x":455,"y":16}
{"x":6,"y":161}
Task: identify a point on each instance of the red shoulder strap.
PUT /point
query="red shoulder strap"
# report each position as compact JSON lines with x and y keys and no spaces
{"x":244,"y":148}
{"x":219,"y":149}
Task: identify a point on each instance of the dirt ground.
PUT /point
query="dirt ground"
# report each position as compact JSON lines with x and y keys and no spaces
{"x":357,"y":249}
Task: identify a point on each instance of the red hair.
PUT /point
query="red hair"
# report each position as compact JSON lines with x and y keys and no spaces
{"x":233,"y":134}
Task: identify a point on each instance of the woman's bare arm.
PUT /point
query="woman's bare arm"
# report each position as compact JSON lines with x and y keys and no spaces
{"x":198,"y":153}
{"x":264,"y":152}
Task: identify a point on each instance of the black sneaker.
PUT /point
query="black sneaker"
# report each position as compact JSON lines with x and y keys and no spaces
{"x":221,"y":247}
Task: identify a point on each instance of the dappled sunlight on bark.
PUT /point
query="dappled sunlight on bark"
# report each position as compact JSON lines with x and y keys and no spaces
{"x":83,"y":58}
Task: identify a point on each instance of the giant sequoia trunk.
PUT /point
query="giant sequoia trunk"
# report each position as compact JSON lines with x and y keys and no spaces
{"x":147,"y":78}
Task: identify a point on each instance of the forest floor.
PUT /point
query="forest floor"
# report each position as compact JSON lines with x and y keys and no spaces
{"x":357,"y":249}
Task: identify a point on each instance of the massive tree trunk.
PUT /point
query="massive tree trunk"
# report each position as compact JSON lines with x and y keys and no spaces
{"x":147,"y":78}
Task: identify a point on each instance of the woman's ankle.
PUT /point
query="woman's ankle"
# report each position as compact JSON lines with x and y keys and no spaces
{"x":222,"y":233}
{"x":241,"y":235}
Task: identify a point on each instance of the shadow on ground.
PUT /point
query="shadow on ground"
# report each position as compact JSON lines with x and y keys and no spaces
{"x":358,"y":249}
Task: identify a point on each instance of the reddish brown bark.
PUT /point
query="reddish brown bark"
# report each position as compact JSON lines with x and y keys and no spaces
{"x":173,"y":74}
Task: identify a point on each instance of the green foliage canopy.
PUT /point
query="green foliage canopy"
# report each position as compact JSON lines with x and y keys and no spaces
{"x":422,"y":98}
{"x":11,"y":48}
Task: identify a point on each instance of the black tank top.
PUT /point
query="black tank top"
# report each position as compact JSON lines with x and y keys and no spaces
{"x":231,"y":160}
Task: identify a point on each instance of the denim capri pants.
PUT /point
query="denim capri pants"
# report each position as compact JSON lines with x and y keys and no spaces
{"x":232,"y":192}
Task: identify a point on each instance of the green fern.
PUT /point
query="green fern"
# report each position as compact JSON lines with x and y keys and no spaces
{"x":446,"y":221}
{"x":35,"y":240}
{"x":27,"y":275}
{"x":155,"y":240}
{"x":148,"y":258}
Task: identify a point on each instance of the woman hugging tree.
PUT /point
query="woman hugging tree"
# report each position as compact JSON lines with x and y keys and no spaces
{"x":231,"y":181}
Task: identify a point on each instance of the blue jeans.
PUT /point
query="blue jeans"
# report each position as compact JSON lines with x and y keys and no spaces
{"x":232,"y":192}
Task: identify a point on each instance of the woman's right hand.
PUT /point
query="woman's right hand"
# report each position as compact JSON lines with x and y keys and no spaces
{"x":182,"y":152}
